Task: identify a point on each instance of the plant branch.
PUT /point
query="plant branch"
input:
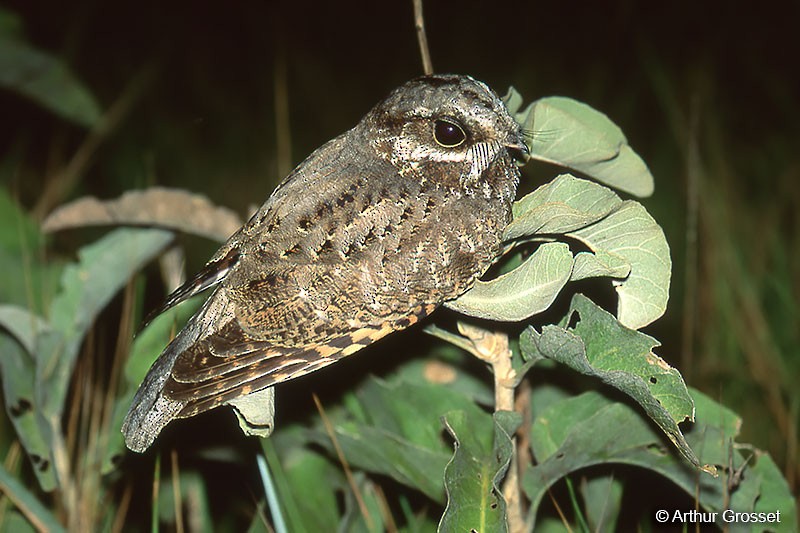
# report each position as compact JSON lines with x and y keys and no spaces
{"x":493,"y":348}
{"x":422,"y":38}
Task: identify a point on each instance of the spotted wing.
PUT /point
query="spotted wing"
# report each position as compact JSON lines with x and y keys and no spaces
{"x":210,"y":275}
{"x":230,"y":365}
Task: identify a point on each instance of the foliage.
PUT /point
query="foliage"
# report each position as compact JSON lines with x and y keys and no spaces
{"x":419,"y":446}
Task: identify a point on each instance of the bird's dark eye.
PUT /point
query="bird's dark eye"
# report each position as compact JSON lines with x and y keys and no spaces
{"x":448,"y":133}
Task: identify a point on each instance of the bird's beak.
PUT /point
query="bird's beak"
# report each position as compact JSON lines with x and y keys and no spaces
{"x":517,"y":147}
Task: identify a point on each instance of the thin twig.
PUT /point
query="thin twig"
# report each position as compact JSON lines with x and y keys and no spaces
{"x":345,"y":465}
{"x":122,"y":509}
{"x":422,"y":38}
{"x":283,"y":137}
{"x":693,"y":175}
{"x":61,"y":184}
{"x":154,"y":514}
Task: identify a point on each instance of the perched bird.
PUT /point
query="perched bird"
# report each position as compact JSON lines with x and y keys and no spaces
{"x":371,"y":233}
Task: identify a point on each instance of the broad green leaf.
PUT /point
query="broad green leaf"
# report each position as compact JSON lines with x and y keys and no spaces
{"x":255,"y":412}
{"x":632,"y":234}
{"x":599,"y":264}
{"x":378,"y":450}
{"x":513,"y":101}
{"x":773,"y":495}
{"x":573,"y":135}
{"x":398,"y":434}
{"x":14,"y":522}
{"x":366,"y":516}
{"x":17,"y":371}
{"x":602,"y":498}
{"x":46,"y":80}
{"x":600,"y":346}
{"x":36,"y":513}
{"x":102,"y":270}
{"x":23,"y":325}
{"x":528,"y":289}
{"x":104,"y":267}
{"x":473,"y":476}
{"x":565,"y":204}
{"x":553,"y":425}
{"x":591,"y":429}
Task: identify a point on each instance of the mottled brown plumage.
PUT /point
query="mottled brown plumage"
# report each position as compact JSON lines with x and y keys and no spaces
{"x":367,"y":236}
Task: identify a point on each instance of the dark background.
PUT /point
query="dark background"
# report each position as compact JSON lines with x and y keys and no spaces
{"x":702,"y":89}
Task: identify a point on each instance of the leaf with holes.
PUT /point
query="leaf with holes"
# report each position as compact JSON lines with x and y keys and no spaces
{"x":599,"y":346}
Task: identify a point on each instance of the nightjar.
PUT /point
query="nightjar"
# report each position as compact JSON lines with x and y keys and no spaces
{"x":371,"y":233}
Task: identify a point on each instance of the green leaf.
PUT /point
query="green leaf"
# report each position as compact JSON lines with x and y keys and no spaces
{"x":583,"y":431}
{"x":383,"y":452}
{"x":14,"y":522}
{"x":602,"y":497}
{"x":104,"y":267}
{"x":368,"y":518}
{"x":565,"y":204}
{"x":528,"y":289}
{"x":23,"y":325}
{"x":554,"y":425}
{"x":600,"y":346}
{"x":599,"y":264}
{"x":17,"y":370}
{"x":774,"y":493}
{"x":398,"y":434}
{"x":36,"y":513}
{"x":255,"y":412}
{"x":572,"y":134}
{"x":632,"y":234}
{"x":625,"y":241}
{"x":472,"y":477}
{"x":46,"y":80}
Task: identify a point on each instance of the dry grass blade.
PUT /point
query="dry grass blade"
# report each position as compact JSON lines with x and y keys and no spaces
{"x":176,"y":491}
{"x":345,"y":465}
{"x":65,"y":180}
